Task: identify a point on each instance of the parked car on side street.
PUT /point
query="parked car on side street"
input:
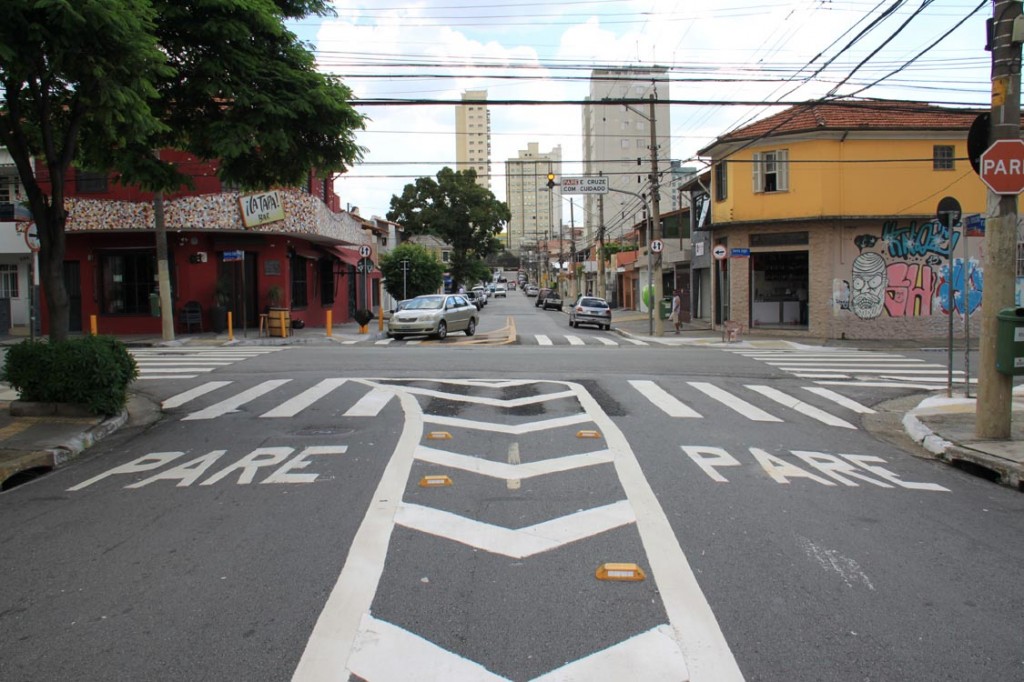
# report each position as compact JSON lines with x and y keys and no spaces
{"x":590,"y":310}
{"x":531,"y":290}
{"x":552,"y":301}
{"x":541,"y":295}
{"x":475,"y":299}
{"x":482,"y":293}
{"x":435,"y":315}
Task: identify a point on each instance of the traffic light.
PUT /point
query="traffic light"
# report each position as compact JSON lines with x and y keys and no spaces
{"x":551,"y":180}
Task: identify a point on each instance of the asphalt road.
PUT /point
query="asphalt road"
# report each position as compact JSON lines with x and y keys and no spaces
{"x":278,"y":524}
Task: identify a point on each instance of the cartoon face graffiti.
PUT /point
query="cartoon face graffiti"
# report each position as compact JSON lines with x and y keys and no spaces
{"x":869,"y":282}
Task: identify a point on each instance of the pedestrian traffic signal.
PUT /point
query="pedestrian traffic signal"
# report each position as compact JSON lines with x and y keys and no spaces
{"x":551,"y":180}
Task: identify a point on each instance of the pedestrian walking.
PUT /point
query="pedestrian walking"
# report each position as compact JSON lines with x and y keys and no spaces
{"x":677,"y":310}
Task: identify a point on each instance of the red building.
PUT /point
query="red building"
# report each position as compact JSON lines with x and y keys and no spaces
{"x":228,"y":250}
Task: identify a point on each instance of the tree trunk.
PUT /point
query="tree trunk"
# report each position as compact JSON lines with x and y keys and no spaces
{"x":50,"y":226}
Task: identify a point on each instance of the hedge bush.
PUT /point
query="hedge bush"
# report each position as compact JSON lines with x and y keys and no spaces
{"x":93,"y":370}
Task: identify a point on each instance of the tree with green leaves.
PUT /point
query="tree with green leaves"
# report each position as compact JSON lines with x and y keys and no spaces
{"x":458,"y":211}
{"x":102,"y":85}
{"x":424,"y":273}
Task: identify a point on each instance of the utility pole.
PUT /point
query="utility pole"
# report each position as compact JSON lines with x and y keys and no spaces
{"x":993,"y":415}
{"x":659,"y":324}
{"x":163,"y":276}
{"x":601,"y":293}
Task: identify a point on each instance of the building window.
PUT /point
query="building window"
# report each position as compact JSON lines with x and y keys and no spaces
{"x":721,"y":181}
{"x":446,"y":256}
{"x":127,"y":278}
{"x":624,"y":143}
{"x":326,"y":271}
{"x":88,"y":182}
{"x":8,"y":281}
{"x":300,"y":297}
{"x":942,"y":157}
{"x":771,"y":171}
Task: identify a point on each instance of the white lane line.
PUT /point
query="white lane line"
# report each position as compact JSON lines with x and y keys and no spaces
{"x":383,"y":342}
{"x":234,"y":402}
{"x":192,"y":394}
{"x":829,"y":362}
{"x":705,"y":650}
{"x":370,"y":404}
{"x":811,"y":411}
{"x":543,"y":340}
{"x":879,"y":384}
{"x":897,"y":369}
{"x":512,"y":471}
{"x":165,"y":377}
{"x":335,"y":635}
{"x":732,"y":402}
{"x":517,"y":543}
{"x":651,"y":656}
{"x":517,"y":429}
{"x":574,"y":340}
{"x":174,"y":370}
{"x":169,"y":362}
{"x":822,"y":375}
{"x":350,"y":342}
{"x":293,"y":406}
{"x":664,"y":401}
{"x":607,"y":342}
{"x":838,"y":399}
{"x":636,"y":342}
{"x":414,"y":342}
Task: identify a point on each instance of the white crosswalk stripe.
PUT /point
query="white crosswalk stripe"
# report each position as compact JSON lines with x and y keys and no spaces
{"x":183,"y":362}
{"x":855,"y":367}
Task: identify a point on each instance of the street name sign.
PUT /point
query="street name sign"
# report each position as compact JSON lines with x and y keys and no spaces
{"x":1002,"y":166}
{"x":585,"y":185}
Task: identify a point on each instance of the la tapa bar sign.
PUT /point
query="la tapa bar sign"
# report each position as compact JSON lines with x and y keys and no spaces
{"x":260,"y":209}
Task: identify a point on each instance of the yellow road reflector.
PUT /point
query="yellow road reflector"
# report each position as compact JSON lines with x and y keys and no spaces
{"x":588,"y":433}
{"x":619,"y":572}
{"x":439,"y":435}
{"x":435,"y":481}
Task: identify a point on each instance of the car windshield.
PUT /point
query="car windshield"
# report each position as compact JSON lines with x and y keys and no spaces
{"x":426,"y":303}
{"x":593,"y":303}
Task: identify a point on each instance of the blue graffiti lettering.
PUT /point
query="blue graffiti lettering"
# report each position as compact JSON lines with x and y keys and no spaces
{"x":910,"y":240}
{"x":976,"y":277}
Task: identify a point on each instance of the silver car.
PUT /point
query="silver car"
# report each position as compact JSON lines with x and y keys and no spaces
{"x":590,"y":310}
{"x":434,"y":314}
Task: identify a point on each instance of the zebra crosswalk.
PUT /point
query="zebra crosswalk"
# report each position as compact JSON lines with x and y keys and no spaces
{"x":287,"y":398}
{"x":184,"y":362}
{"x":855,"y":367}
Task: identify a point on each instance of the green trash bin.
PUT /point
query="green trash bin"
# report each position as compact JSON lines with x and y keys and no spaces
{"x":1010,"y":341}
{"x":154,"y":304}
{"x":665,"y":307}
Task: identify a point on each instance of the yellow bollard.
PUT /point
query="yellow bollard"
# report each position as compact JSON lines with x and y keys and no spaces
{"x":284,"y":329}
{"x":92,"y":325}
{"x":231,"y":326}
{"x":330,"y":322}
{"x":380,"y":319}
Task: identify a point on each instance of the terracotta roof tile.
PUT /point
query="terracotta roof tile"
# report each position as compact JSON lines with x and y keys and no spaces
{"x":856,"y":115}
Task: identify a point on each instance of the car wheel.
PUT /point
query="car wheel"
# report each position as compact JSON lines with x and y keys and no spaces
{"x":471,"y":327}
{"x":442,"y":330}
{"x":574,"y":323}
{"x":397,"y":337}
{"x":607,"y":327}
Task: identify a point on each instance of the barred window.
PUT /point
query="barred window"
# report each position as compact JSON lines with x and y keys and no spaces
{"x":942,"y":157}
{"x":8,"y":281}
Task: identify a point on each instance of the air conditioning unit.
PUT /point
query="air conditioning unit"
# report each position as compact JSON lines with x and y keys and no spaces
{"x":201,"y":256}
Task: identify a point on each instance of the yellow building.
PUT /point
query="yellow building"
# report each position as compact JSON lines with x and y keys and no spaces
{"x":827,"y":216}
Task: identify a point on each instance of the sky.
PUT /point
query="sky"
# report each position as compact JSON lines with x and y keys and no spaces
{"x":723,"y":51}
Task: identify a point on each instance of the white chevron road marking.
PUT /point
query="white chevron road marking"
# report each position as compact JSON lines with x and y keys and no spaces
{"x":512,"y":471}
{"x":516,"y":543}
{"x":492,"y":402}
{"x":517,"y":429}
{"x":384,"y":651}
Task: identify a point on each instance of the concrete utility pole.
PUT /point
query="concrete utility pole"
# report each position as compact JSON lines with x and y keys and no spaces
{"x":659,"y":324}
{"x":995,"y":389}
{"x":600,"y":246}
{"x":163,"y":276}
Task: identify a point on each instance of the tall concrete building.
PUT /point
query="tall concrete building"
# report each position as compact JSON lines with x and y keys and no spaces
{"x":617,"y":141}
{"x":473,"y":136}
{"x":536,"y":211}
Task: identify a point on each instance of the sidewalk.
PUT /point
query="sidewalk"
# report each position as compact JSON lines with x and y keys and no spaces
{"x":34,"y":439}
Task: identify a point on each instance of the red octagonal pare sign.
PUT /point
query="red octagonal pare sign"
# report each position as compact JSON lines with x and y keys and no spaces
{"x":1002,"y":167}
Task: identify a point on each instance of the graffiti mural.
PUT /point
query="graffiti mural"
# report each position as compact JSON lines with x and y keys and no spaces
{"x":910,"y":276}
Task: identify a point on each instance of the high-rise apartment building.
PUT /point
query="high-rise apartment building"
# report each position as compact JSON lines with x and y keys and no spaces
{"x":536,"y":210}
{"x":473,"y":136}
{"x":617,"y":143}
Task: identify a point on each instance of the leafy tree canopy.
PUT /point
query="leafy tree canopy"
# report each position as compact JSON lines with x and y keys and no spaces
{"x":425,"y":273}
{"x":458,"y":211}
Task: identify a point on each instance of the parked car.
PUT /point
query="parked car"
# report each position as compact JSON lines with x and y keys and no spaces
{"x":541,"y":295}
{"x":591,"y":310}
{"x":531,"y":290}
{"x":552,"y":300}
{"x":482,"y":293}
{"x":475,"y":299}
{"x":436,"y":315}
{"x":500,"y":291}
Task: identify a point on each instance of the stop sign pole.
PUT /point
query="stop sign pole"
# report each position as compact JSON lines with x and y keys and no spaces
{"x":993,"y":410}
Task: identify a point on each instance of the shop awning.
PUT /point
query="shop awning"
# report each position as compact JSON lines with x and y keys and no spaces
{"x":306,"y":252}
{"x":346,"y":255}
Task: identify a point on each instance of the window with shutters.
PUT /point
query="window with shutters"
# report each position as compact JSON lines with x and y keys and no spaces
{"x":771,"y":171}
{"x":721,"y":181}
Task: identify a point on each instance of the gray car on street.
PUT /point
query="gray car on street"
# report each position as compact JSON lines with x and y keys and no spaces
{"x":434,"y":315}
